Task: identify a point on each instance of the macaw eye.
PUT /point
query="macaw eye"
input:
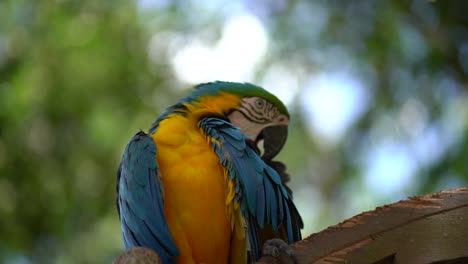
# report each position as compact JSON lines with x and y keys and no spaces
{"x":259,"y":103}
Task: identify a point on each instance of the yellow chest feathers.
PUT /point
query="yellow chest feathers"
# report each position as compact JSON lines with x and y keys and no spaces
{"x":182,"y":148}
{"x":189,"y":166}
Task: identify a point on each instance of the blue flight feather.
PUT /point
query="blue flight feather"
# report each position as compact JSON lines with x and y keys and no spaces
{"x":261,"y":204}
{"x":140,"y":200}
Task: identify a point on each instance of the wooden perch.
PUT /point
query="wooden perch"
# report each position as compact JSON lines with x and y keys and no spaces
{"x":422,"y":229}
{"x":425,"y":229}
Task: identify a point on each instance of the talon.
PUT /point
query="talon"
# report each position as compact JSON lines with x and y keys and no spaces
{"x":277,"y":247}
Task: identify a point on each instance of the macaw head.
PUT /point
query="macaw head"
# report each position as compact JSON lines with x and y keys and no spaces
{"x":259,"y":114}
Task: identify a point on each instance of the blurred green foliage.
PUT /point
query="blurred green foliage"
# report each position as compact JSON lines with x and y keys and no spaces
{"x":76,"y":81}
{"x":74,"y":84}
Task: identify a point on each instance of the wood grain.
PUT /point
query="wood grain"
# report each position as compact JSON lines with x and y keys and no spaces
{"x":422,"y":229}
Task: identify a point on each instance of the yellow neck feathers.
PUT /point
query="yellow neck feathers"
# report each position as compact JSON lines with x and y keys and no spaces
{"x":218,"y":104}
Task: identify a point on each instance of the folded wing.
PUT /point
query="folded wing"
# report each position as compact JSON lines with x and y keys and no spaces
{"x":263,"y":198}
{"x":140,"y":199}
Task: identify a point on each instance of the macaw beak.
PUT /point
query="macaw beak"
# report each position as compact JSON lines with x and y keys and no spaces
{"x":274,"y":138}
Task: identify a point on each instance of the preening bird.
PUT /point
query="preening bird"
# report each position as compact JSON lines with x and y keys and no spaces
{"x":197,"y":189}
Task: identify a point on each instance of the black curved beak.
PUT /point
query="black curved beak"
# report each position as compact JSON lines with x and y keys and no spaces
{"x":274,"y":138}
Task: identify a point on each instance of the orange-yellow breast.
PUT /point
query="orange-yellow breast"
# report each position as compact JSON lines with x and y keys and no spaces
{"x":195,"y":191}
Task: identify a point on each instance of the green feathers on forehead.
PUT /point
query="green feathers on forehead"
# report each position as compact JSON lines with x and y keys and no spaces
{"x":240,"y":89}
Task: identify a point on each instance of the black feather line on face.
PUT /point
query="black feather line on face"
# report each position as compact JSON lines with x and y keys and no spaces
{"x":247,"y":116}
{"x":252,"y":109}
{"x":261,"y":116}
{"x":251,"y":116}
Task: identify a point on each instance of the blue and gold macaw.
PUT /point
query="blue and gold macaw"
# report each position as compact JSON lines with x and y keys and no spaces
{"x":195,"y":188}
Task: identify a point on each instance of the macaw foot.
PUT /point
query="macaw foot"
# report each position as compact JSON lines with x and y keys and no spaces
{"x":278,"y":248}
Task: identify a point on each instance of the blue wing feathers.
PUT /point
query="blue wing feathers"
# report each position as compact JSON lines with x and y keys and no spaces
{"x":261,"y":204}
{"x":263,"y":197}
{"x":280,"y":213}
{"x":130,"y":237}
{"x":271,"y":205}
{"x":254,"y":240}
{"x":273,"y":175}
{"x":289,"y":223}
{"x":140,"y":200}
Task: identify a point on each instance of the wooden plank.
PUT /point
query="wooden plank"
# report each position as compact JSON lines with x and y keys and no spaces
{"x":421,"y":229}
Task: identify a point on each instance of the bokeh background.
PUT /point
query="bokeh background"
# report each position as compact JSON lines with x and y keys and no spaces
{"x":377,"y":91}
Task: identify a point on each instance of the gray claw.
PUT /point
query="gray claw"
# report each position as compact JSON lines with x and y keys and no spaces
{"x":277,"y":247}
